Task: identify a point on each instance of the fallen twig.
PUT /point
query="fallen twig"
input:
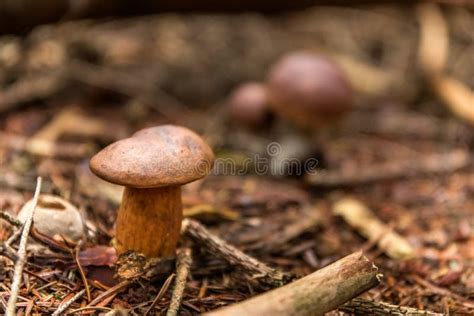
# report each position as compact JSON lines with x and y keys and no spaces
{"x":13,"y":238}
{"x":89,"y":308}
{"x":256,"y":269}
{"x":314,"y":294}
{"x":434,"y":38}
{"x":432,"y":54}
{"x":403,"y":124}
{"x":13,"y":180}
{"x":8,"y":252}
{"x":10,"y":219}
{"x":208,"y":209}
{"x":71,"y":120}
{"x":442,"y":291}
{"x":62,"y":307}
{"x":20,"y":263}
{"x":361,"y":306}
{"x":431,"y":164}
{"x":131,"y":86}
{"x":310,"y":218}
{"x":110,"y":291}
{"x":160,"y":294}
{"x":183,"y":263}
{"x":456,"y":95}
{"x":44,"y":148}
{"x":75,"y":255}
{"x":368,"y":225}
{"x":364,"y":77}
{"x":29,"y":89}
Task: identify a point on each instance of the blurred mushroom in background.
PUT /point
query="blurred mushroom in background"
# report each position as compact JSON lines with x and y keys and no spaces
{"x":308,"y":89}
{"x":248,"y":105}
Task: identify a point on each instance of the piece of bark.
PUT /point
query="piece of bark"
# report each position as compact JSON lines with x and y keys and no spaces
{"x":421,"y":166}
{"x":255,"y":269}
{"x":361,"y":218}
{"x":314,"y":294}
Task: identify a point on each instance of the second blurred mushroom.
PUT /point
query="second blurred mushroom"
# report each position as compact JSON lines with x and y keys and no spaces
{"x":248,"y":105}
{"x":305,"y":88}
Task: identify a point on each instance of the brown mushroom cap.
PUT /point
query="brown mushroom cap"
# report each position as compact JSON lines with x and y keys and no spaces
{"x":248,"y":104}
{"x":306,"y":88}
{"x":155,"y":157}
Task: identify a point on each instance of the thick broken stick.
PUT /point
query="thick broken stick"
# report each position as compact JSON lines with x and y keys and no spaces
{"x":215,"y":245}
{"x":360,"y":306}
{"x":431,"y":164}
{"x":368,"y":225}
{"x":314,"y":294}
{"x":183,"y":265}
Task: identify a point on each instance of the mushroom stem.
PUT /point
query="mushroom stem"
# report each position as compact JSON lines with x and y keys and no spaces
{"x":149,"y":221}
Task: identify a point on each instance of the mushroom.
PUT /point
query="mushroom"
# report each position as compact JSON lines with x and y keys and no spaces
{"x":308,"y":89}
{"x":54,"y":216}
{"x":152,"y":165}
{"x":248,"y":105}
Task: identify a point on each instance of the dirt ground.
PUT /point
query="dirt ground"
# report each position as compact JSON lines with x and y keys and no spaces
{"x":118,"y":76}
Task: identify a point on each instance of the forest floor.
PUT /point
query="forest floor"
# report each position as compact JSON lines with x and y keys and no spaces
{"x":377,"y":155}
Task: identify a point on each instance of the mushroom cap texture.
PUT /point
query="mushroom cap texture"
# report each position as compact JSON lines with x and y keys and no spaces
{"x":155,"y":157}
{"x":304,"y":86}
